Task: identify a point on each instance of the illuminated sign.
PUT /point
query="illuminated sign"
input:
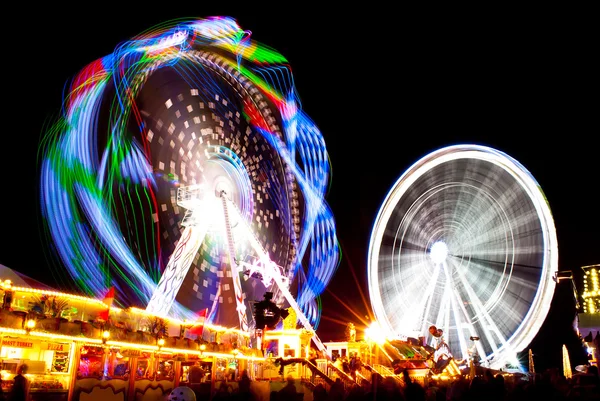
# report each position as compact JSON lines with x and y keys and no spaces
{"x":55,"y":346}
{"x":20,"y":343}
{"x":17,"y":343}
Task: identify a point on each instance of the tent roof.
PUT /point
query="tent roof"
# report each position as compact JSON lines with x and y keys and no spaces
{"x":21,"y":280}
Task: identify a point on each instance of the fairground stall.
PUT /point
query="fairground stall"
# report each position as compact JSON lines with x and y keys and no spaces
{"x":72,"y":353}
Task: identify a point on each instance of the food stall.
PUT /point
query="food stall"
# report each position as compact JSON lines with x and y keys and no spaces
{"x":133,"y":355}
{"x":48,"y":361}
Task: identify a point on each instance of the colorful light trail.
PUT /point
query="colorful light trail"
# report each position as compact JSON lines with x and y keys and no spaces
{"x":187,"y":103}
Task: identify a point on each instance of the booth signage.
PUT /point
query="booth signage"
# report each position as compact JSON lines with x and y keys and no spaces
{"x":17,"y":343}
{"x":55,"y":346}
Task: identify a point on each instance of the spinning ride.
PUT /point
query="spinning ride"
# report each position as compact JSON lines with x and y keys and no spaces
{"x":185,"y":172}
{"x":464,"y":241}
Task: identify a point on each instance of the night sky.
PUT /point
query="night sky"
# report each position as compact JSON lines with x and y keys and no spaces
{"x":385,"y":91}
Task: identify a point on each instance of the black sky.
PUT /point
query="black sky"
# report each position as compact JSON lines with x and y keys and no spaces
{"x":385,"y":91}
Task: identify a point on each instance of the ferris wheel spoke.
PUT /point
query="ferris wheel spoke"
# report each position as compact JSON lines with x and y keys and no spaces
{"x":429,"y":298}
{"x":406,"y":280}
{"x":413,"y":309}
{"x":413,"y":218}
{"x":442,"y":318}
{"x":409,"y":244}
{"x":469,"y":203}
{"x":489,"y":225}
{"x":461,"y":321}
{"x":454,"y":308}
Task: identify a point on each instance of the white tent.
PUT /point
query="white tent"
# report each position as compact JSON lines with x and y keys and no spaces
{"x":21,"y":280}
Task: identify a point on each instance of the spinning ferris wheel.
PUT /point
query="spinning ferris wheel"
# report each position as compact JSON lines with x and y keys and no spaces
{"x":185,"y":171}
{"x":465,"y":242}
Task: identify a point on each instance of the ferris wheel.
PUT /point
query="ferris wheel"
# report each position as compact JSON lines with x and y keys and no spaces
{"x":188,"y":173}
{"x":464,"y":242}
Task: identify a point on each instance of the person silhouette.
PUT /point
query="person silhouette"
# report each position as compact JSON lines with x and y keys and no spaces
{"x":20,"y":389}
{"x":244,"y":388}
{"x":289,"y":390}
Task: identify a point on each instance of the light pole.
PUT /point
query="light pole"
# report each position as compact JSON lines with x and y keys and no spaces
{"x":105,"y":336}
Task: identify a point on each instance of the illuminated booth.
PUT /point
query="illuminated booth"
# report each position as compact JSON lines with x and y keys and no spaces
{"x":588,"y":320}
{"x":73,"y":354}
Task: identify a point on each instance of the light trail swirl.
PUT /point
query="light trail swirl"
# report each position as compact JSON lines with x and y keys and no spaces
{"x":189,"y":102}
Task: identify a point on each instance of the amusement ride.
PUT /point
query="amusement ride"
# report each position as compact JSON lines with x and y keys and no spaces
{"x":184,"y":158}
{"x":464,"y":243}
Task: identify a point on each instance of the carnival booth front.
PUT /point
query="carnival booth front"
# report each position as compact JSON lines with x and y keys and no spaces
{"x":75,"y":345}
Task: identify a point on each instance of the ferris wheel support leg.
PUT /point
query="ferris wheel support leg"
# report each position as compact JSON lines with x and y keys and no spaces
{"x":237,"y":284}
{"x":276,"y":275}
{"x":176,"y":270}
{"x":288,"y":296}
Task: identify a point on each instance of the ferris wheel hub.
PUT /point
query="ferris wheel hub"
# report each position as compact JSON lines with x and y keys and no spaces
{"x":438,"y":252}
{"x":221,"y":176}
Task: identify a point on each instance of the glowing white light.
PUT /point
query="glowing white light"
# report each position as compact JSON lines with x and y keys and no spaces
{"x":375,"y":334}
{"x":438,"y":252}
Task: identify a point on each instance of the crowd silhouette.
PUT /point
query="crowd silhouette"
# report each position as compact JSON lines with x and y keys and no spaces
{"x":550,"y":385}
